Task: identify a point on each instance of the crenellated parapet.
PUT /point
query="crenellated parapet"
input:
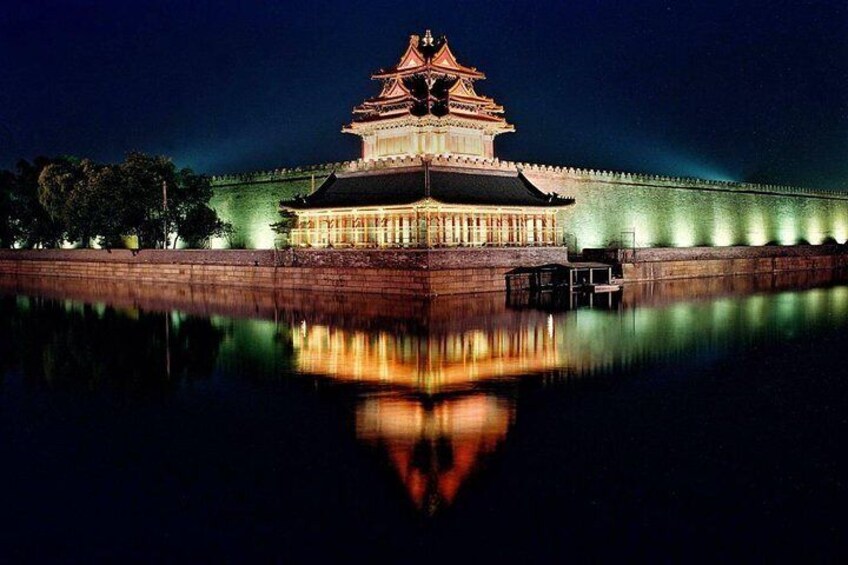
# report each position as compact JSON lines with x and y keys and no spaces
{"x":557,"y":178}
{"x":282,"y":174}
{"x":664,"y":181}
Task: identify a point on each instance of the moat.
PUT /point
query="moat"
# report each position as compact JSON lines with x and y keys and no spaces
{"x":693,"y":419}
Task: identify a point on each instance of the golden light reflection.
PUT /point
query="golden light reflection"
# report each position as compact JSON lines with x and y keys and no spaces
{"x":433,"y":426}
{"x":435,"y":447}
{"x":429,"y":362}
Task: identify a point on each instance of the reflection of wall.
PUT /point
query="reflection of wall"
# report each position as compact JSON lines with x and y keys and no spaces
{"x":453,"y":343}
{"x":652,"y":294}
{"x":434,"y":447}
{"x":591,"y":341}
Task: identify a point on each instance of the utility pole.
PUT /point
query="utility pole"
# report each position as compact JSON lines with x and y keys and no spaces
{"x":165,"y":214}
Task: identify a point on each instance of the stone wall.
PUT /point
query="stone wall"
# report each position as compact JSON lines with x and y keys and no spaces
{"x":402,"y":272}
{"x":666,"y":264}
{"x":666,"y":254}
{"x":251,"y":207}
{"x":621,"y":210}
{"x":413,"y":272}
{"x":612,"y":208}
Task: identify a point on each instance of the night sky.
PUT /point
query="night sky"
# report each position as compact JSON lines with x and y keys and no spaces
{"x":741,"y":90}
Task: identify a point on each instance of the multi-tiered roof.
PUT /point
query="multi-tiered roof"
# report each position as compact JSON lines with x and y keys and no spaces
{"x":425,"y":184}
{"x":429,"y":81}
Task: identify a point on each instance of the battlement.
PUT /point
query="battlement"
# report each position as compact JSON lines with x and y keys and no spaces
{"x":554,"y":172}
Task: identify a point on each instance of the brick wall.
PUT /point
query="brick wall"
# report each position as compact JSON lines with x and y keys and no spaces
{"x":648,"y":255}
{"x":400,"y":272}
{"x":695,"y":262}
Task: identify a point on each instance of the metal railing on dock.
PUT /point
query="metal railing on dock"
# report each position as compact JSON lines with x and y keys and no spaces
{"x":585,"y":277}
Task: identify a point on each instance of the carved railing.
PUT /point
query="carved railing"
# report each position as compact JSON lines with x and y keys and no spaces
{"x":456,"y":236}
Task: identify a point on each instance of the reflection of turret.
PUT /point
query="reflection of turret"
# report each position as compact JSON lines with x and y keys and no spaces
{"x":429,"y":363}
{"x":435,"y":447}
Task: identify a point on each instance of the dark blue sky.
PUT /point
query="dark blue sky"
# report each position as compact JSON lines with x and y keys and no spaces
{"x":743,"y":90}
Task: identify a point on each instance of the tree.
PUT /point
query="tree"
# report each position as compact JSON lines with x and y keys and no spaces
{"x":193,"y":220}
{"x":142,"y":177}
{"x":35,"y":226}
{"x":59,"y":186}
{"x":188,"y":214}
{"x":52,"y":200}
{"x":287,"y":222}
{"x":56,"y":181}
{"x":101,"y":206}
{"x":86,"y":198}
{"x":199,"y":225}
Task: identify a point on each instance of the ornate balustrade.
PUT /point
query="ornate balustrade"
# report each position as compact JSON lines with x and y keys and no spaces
{"x":406,"y":235}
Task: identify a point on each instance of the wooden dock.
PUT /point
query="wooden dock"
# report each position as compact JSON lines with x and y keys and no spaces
{"x":576,"y":277}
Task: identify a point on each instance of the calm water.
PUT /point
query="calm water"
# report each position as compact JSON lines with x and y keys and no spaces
{"x":702,"y":419}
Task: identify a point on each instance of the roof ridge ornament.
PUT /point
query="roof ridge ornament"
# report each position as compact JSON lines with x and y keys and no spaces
{"x":428,"y":39}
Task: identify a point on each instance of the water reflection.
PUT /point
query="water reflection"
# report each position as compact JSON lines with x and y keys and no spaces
{"x":429,"y":362}
{"x":435,"y":446}
{"x":434,"y":383}
{"x":65,"y":343}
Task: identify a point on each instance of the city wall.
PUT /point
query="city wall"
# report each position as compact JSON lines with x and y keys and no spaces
{"x":611,"y":209}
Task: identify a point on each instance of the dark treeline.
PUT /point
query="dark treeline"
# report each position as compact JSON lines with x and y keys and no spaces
{"x":54,"y":200}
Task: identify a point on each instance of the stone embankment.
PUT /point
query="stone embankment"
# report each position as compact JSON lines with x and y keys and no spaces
{"x":408,"y":272}
{"x":696,"y":262}
{"x":411,"y":272}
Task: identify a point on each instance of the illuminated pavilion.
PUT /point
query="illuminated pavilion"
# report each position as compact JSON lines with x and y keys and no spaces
{"x":427,"y":110}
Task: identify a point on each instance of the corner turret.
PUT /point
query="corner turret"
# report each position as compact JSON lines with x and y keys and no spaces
{"x":428,"y":106}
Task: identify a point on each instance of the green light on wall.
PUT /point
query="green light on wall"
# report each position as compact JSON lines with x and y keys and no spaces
{"x":840,"y":228}
{"x":788,"y":234}
{"x":219,"y":243}
{"x":605,"y":213}
{"x":722,"y":232}
{"x":260,"y":234}
{"x":683,"y":231}
{"x":813,"y":230}
{"x":756,"y":229}
{"x":643,"y":228}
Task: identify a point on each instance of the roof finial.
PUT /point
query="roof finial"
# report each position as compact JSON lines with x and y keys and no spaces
{"x":428,"y":39}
